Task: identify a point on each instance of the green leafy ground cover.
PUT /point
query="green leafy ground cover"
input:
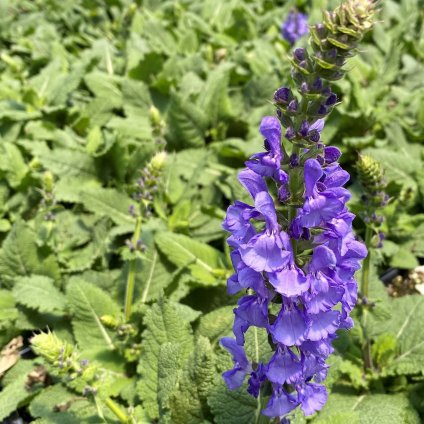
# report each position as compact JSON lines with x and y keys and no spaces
{"x":90,"y":90}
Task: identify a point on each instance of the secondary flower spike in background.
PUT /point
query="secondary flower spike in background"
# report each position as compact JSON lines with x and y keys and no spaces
{"x":297,"y":262}
{"x":294,"y":27}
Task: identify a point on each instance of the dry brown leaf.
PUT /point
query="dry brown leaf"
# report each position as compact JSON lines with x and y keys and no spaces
{"x":10,"y":354}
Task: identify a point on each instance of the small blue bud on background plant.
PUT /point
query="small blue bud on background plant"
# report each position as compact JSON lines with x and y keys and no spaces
{"x":297,"y":260}
{"x":294,"y":27}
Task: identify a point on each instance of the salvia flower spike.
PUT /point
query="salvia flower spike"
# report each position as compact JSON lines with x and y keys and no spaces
{"x":294,"y":251}
{"x":294,"y":27}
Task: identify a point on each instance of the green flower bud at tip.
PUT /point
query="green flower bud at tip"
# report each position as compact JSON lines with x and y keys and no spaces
{"x":158,"y":161}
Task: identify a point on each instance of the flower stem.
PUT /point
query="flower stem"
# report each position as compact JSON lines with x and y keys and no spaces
{"x":129,"y":293}
{"x":366,"y":264}
{"x":117,"y":411}
{"x":364,"y":291}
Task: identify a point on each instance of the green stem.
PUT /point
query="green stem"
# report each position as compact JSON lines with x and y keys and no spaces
{"x":117,"y":411}
{"x":294,"y":189}
{"x":365,"y":292}
{"x":129,"y":293}
{"x":366,"y":264}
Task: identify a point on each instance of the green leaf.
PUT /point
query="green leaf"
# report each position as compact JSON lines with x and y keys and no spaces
{"x":38,"y":292}
{"x":216,"y":324}
{"x":194,"y":385}
{"x":108,"y":202}
{"x":68,"y":189}
{"x":88,"y":304}
{"x":20,"y":256}
{"x":200,"y":258}
{"x":8,"y":312}
{"x":405,"y":326}
{"x":67,"y":163}
{"x":404,"y":259}
{"x":383,"y":349}
{"x":169,"y":372}
{"x":214,"y":99}
{"x":367,"y":409}
{"x":12,"y":164}
{"x":163,"y":325}
{"x":45,"y":405}
{"x":233,"y":407}
{"x":186,"y":123}
{"x":12,"y":396}
{"x":104,"y":86}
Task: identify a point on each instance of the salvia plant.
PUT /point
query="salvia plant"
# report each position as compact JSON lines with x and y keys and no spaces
{"x":294,"y":250}
{"x":123,"y":127}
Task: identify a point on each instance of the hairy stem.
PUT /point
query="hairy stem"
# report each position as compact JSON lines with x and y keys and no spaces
{"x":129,"y":292}
{"x":117,"y":411}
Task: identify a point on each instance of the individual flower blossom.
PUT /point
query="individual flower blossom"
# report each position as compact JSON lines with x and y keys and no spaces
{"x":294,"y":27}
{"x":234,"y":378}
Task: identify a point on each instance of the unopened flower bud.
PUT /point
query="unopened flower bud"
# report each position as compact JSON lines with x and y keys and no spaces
{"x":282,"y":96}
{"x":158,"y":161}
{"x":290,"y":133}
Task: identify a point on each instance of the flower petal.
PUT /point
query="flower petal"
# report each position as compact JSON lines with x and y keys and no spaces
{"x":290,"y":327}
{"x":252,"y":182}
{"x":289,"y":282}
{"x":323,"y":324}
{"x":313,"y":173}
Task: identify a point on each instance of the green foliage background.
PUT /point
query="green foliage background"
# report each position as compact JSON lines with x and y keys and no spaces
{"x":78,"y":80}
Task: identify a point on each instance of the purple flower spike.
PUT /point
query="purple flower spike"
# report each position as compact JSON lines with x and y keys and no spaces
{"x":314,"y":293}
{"x":294,"y":27}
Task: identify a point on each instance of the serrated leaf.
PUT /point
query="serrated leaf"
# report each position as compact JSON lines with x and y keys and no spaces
{"x":108,"y":202}
{"x":88,"y":303}
{"x":405,"y":326}
{"x":200,"y":258}
{"x":163,"y":325}
{"x":65,"y":163}
{"x":20,"y":256}
{"x":12,"y":164}
{"x":194,"y":385}
{"x":214,"y":99}
{"x":38,"y":292}
{"x":233,"y":407}
{"x":8,"y":312}
{"x":368,"y":409}
{"x":169,"y":370}
{"x":186,"y":123}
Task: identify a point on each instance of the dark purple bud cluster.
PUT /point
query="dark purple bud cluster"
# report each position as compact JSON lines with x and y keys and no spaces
{"x":138,"y":246}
